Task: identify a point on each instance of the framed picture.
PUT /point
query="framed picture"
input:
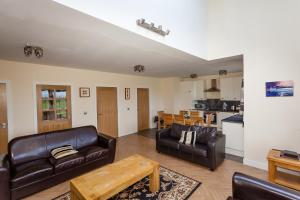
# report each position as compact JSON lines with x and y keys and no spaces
{"x":84,"y":92}
{"x":280,"y":89}
{"x":127,"y":93}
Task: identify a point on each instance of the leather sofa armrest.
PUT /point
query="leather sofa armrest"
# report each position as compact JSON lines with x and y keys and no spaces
{"x":106,"y":141}
{"x":245,"y":187}
{"x":4,"y":178}
{"x":110,"y":143}
{"x":162,"y":133}
{"x":216,"y":150}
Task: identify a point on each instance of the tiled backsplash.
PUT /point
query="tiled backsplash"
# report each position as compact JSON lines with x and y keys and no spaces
{"x":216,"y":104}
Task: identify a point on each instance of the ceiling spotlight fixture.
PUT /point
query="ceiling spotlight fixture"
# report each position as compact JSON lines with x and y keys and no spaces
{"x":222,"y":72}
{"x":38,"y":51}
{"x":193,"y":76}
{"x":28,"y":50}
{"x":150,"y":26}
{"x":139,"y":68}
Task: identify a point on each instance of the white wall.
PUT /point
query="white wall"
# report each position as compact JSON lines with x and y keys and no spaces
{"x":267,"y":33}
{"x":187,"y":20}
{"x":22,"y":78}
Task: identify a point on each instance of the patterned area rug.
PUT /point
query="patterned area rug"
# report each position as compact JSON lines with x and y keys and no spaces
{"x":173,"y":186}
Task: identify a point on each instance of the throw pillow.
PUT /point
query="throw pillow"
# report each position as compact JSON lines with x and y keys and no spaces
{"x":63,"y":151}
{"x":188,"y":138}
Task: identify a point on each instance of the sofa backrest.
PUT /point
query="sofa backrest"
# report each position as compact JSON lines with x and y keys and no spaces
{"x":38,"y":146}
{"x":27,"y":148}
{"x":204,"y":134}
{"x":176,"y":130}
{"x":245,"y":187}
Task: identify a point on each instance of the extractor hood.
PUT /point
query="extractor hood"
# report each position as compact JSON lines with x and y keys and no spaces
{"x":213,"y":87}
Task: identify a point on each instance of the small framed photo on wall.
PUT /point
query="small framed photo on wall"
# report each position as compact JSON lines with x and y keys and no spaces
{"x":127,"y":93}
{"x":84,"y":92}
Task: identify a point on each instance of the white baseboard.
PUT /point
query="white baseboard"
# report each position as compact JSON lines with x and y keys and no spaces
{"x":234,"y":152}
{"x":256,"y":164}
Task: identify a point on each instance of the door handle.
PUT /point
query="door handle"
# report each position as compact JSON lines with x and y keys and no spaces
{"x":3,"y":125}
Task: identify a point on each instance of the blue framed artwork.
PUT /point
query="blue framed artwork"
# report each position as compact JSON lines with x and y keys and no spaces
{"x":280,"y":89}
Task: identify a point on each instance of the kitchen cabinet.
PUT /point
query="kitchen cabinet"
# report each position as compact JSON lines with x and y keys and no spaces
{"x":200,"y":87}
{"x":234,"y":138}
{"x":186,"y":94}
{"x":231,"y":88}
{"x":221,"y":116}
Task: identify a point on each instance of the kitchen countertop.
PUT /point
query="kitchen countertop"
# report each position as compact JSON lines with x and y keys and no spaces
{"x":228,"y":111}
{"x":235,"y":119}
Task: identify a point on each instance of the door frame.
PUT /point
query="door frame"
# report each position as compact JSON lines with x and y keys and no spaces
{"x":35,"y":114}
{"x":137,"y":113}
{"x":96,"y":105}
{"x":9,"y":104}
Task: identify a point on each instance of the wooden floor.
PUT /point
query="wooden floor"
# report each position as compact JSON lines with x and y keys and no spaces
{"x":215,"y":185}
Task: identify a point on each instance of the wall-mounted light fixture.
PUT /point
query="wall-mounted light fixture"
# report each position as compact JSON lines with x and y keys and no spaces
{"x":150,"y":26}
{"x":38,"y":51}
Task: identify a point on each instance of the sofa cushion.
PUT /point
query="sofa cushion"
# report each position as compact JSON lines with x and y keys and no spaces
{"x":67,"y":162}
{"x":30,"y":172}
{"x":177,"y":129}
{"x":198,"y":149}
{"x":94,"y":153}
{"x":169,"y":142}
{"x":204,"y":134}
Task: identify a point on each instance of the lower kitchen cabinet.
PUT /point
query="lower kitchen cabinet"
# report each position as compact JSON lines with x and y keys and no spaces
{"x":221,"y":116}
{"x":234,"y":138}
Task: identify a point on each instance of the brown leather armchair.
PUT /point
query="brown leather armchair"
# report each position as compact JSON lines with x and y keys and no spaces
{"x":245,"y":187}
{"x":29,"y":167}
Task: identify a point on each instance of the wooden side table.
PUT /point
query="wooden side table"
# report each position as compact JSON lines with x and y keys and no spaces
{"x":282,"y":178}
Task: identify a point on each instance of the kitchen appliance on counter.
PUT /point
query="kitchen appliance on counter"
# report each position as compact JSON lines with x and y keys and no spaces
{"x":201,"y":105}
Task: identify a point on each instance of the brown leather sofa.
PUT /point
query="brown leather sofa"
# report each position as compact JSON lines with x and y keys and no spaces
{"x":29,"y":167}
{"x":249,"y":188}
{"x":209,"y":150}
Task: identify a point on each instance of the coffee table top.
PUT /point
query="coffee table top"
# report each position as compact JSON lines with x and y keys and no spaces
{"x":106,"y":179}
{"x":274,"y":155}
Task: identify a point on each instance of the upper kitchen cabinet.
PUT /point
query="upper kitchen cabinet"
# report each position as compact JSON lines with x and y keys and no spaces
{"x":187,"y":94}
{"x":231,"y":88}
{"x":200,"y":87}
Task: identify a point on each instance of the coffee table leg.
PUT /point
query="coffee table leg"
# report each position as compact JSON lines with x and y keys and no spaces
{"x":73,"y":197}
{"x":154,"y":180}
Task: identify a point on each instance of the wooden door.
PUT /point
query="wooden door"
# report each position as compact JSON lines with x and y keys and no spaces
{"x":53,"y":107}
{"x":143,"y":108}
{"x":3,"y":119}
{"x":107,"y":110}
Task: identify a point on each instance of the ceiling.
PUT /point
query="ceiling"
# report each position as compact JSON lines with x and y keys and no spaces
{"x":73,"y":39}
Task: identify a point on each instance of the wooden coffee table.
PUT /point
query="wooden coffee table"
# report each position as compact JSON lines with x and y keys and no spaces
{"x":111,"y":179}
{"x":275,"y":176}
